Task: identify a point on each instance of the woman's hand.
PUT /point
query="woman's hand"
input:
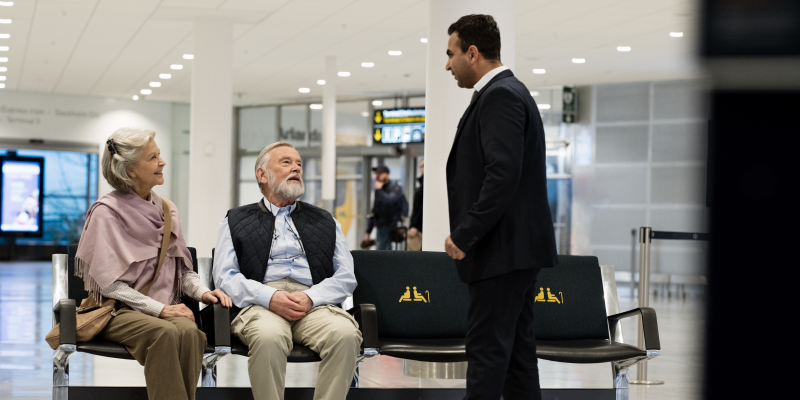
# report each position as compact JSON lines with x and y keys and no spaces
{"x":217,"y":295}
{"x":178,"y":310}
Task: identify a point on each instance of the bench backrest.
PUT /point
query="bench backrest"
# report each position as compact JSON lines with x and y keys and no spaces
{"x":418,"y":295}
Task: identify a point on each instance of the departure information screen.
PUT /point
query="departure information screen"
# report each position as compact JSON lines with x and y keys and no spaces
{"x":400,"y":125}
{"x":20,"y":199}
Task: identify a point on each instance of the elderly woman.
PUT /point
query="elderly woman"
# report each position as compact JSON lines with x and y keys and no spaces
{"x":118,"y":257}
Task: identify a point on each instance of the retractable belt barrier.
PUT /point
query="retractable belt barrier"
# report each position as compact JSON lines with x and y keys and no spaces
{"x":646,"y":236}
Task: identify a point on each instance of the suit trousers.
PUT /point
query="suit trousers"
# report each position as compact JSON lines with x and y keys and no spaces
{"x":170,"y":349}
{"x":327,"y":329}
{"x":500,"y":343}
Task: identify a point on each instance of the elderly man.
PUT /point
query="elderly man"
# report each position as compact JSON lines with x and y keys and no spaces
{"x":286,"y":266}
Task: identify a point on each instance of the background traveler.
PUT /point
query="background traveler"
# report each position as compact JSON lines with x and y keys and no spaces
{"x":415,"y":223}
{"x":389,"y":208}
{"x":500,"y":223}
{"x":287,"y":267}
{"x":117,"y":257}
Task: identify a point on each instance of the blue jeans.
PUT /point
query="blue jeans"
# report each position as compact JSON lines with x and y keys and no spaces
{"x":382,"y":239}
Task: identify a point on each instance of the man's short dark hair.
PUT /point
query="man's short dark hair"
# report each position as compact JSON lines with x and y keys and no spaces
{"x":478,"y":30}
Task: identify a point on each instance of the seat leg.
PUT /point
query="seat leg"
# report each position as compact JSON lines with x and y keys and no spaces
{"x":208,"y":373}
{"x":354,"y":384}
{"x":61,"y":371}
{"x":620,"y":375}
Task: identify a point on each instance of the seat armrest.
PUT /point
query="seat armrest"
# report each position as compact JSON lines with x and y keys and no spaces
{"x":216,"y":324}
{"x":649,"y":325}
{"x":64,"y":312}
{"x":367,"y":318}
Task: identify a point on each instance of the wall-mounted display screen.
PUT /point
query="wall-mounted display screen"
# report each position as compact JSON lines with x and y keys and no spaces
{"x":400,"y":125}
{"x":21,"y":182}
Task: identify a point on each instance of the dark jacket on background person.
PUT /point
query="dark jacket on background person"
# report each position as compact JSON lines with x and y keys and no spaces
{"x":416,"y":214}
{"x":390,"y":204}
{"x":497,"y":184}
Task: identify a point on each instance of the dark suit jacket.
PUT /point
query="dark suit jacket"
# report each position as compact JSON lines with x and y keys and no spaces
{"x":497,"y":184}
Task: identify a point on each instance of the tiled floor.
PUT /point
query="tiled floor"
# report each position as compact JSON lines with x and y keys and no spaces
{"x":26,"y":360}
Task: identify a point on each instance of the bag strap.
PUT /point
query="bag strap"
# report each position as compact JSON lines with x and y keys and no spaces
{"x":164,"y":244}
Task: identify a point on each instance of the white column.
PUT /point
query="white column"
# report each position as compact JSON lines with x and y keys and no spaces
{"x":445,"y":102}
{"x":211,"y":153}
{"x":328,"y":167}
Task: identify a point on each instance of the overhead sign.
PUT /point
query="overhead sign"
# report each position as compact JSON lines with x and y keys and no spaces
{"x":401,"y":125}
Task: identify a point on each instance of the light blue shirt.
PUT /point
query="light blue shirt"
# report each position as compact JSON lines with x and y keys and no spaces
{"x":287,"y":259}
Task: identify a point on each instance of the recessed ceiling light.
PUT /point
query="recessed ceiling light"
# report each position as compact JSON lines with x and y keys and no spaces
{"x":5,"y":35}
{"x":578,"y":60}
{"x":320,"y":81}
{"x":6,"y":3}
{"x":2,"y":78}
{"x":135,"y":97}
{"x":539,"y":71}
{"x":377,"y":103}
{"x":176,"y":66}
{"x":364,"y":114}
{"x":367,"y":64}
{"x":3,"y":48}
{"x":165,"y":76}
{"x":676,"y":34}
{"x":544,"y":106}
{"x":146,"y":91}
{"x":534,"y":93}
{"x":2,"y":85}
{"x":304,"y":90}
{"x":424,"y":40}
{"x":188,"y":56}
{"x":344,"y":73}
{"x":5,"y":21}
{"x":395,"y":52}
{"x":315,"y":106}
{"x":3,"y":59}
{"x":3,"y":69}
{"x":155,"y":84}
{"x":623,"y":48}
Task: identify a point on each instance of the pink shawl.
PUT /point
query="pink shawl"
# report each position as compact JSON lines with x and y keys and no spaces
{"x":122,"y":232}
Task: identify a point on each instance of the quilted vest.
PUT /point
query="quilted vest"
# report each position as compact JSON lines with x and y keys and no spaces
{"x":252,"y":227}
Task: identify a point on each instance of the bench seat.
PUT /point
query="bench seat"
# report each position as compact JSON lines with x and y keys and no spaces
{"x":299,"y":353}
{"x":586,"y":351}
{"x":430,"y":350}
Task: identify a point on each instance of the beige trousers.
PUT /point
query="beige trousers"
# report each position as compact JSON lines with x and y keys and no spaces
{"x":171,"y":350}
{"x":328,"y":330}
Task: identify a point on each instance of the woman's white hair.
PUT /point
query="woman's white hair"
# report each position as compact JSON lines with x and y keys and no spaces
{"x":263,"y":159}
{"x":127,"y":144}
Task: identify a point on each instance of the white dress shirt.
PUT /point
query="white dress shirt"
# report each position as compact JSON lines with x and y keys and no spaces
{"x":287,"y":259}
{"x":488,"y":77}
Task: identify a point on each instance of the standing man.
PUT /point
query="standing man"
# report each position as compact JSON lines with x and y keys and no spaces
{"x":390,"y":207}
{"x":415,"y":223}
{"x":501,"y":232}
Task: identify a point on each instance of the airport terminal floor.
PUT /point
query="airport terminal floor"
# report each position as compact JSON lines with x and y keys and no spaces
{"x":26,"y":360}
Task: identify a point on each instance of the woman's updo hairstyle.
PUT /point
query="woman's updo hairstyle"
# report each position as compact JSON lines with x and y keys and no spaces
{"x":122,"y":151}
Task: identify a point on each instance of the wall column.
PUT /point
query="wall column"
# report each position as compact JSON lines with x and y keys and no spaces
{"x":328,"y":168}
{"x":211,"y":152}
{"x":445,"y":102}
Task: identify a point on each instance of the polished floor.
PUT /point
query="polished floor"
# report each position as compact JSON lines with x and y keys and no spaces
{"x":26,"y":360}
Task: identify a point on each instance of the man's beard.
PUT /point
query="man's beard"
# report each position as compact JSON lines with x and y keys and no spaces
{"x":289,"y":191}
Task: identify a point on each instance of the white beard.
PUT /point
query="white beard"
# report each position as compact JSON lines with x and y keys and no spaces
{"x":289,"y":191}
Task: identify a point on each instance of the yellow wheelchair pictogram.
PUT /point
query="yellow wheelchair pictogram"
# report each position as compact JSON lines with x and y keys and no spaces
{"x":551,"y":298}
{"x":417,"y":297}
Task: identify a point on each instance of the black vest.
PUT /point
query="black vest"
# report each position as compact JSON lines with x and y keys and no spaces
{"x":252,"y":227}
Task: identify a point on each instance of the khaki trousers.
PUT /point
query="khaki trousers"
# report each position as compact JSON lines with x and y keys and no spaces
{"x":414,"y":243}
{"x":328,"y":330}
{"x":170,"y":349}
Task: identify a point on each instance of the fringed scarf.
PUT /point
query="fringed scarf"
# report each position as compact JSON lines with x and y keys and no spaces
{"x":121,"y":240}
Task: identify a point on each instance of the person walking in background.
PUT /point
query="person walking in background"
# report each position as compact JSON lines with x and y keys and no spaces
{"x":501,"y":231}
{"x":415,"y":224}
{"x":389,"y":208}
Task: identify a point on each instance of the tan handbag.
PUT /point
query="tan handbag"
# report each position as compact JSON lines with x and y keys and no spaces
{"x":92,"y":317}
